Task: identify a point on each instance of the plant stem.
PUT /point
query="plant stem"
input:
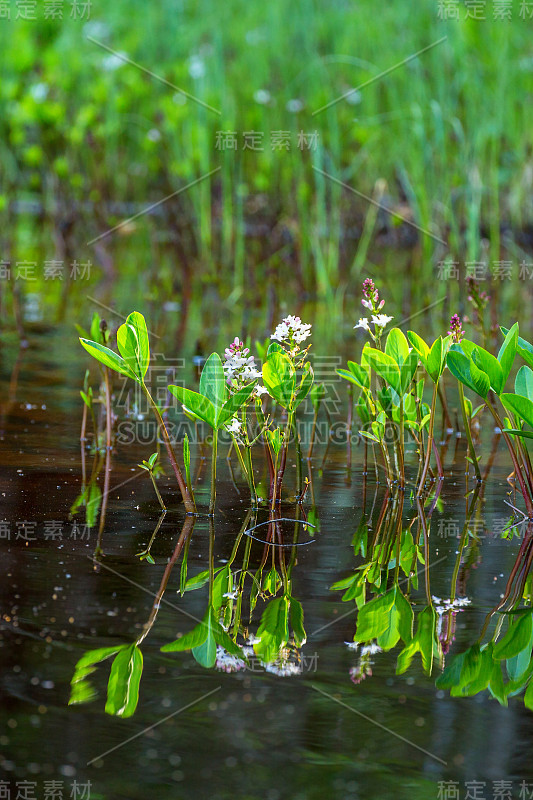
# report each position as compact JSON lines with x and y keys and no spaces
{"x":429,"y":441}
{"x":188,"y":502}
{"x":516,"y":465}
{"x":466,"y":423}
{"x":157,"y":491}
{"x":213,"y":473}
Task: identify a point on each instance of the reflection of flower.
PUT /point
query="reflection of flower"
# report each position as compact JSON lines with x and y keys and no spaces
{"x":446,"y":621}
{"x":228,"y":663}
{"x":363,"y":668}
{"x":442,"y":606}
{"x":283,"y":669}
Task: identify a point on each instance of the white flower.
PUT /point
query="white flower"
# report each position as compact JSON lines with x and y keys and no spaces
{"x":363,"y":323}
{"x":228,"y":663}
{"x":381,"y":320}
{"x":259,"y":390}
{"x":283,"y":669}
{"x":443,"y":606}
{"x":154,"y":135}
{"x":370,"y":649}
{"x":239,"y":366}
{"x":292,"y":329}
{"x":352,"y":645}
{"x":231,"y":595}
{"x":234,"y":426}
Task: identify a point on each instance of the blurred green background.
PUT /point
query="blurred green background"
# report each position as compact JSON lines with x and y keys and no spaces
{"x":442,"y":143}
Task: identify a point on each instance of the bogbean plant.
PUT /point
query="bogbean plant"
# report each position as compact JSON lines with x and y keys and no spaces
{"x":391,"y":386}
{"x":226,"y":392}
{"x":391,"y":405}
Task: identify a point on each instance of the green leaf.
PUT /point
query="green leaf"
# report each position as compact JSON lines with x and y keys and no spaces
{"x":279,"y":378}
{"x":528,"y":697}
{"x":197,"y":581}
{"x":213,"y":382}
{"x":436,"y":359}
{"x":200,"y":406}
{"x":194,"y":638}
{"x":225,"y":641}
{"x":523,"y":347}
{"x":384,"y":366}
{"x":274,"y":347}
{"x":133,"y":344}
{"x":297,"y":622}
{"x":407,"y":371}
{"x":523,"y":384}
{"x":124,"y":680}
{"x":233,"y":404}
{"x":221,"y":585}
{"x":108,"y":358}
{"x":419,"y":346}
{"x":397,"y":346}
{"x":205,"y":653}
{"x":516,"y":639}
{"x":425,"y":642}
{"x":387,"y":619}
{"x":507,"y":352}
{"x":304,"y":386}
{"x":522,"y":406}
{"x":464,"y":369}
{"x":490,"y":366}
{"x":360,"y":374}
{"x":273,"y":631}
{"x":187,"y":459}
{"x":81,"y":689}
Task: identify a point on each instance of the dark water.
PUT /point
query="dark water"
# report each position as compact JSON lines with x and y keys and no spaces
{"x":204,"y":733}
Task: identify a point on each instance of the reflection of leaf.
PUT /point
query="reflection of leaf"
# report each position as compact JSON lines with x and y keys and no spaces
{"x":425,"y":642}
{"x":197,"y":581}
{"x":81,"y":689}
{"x":517,"y":637}
{"x":205,"y":653}
{"x":124,"y":680}
{"x":297,"y":622}
{"x":273,"y":632}
{"x":387,"y":618}
{"x":203,"y":639}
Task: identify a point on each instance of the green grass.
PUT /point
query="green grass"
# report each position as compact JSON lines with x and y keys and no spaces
{"x":449,"y":132}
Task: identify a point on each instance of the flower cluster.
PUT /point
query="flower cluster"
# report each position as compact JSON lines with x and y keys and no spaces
{"x":373,"y":303}
{"x":443,"y":606}
{"x":292,"y":331}
{"x":456,"y":328}
{"x":363,"y":668}
{"x":228,"y":663}
{"x":239,"y":366}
